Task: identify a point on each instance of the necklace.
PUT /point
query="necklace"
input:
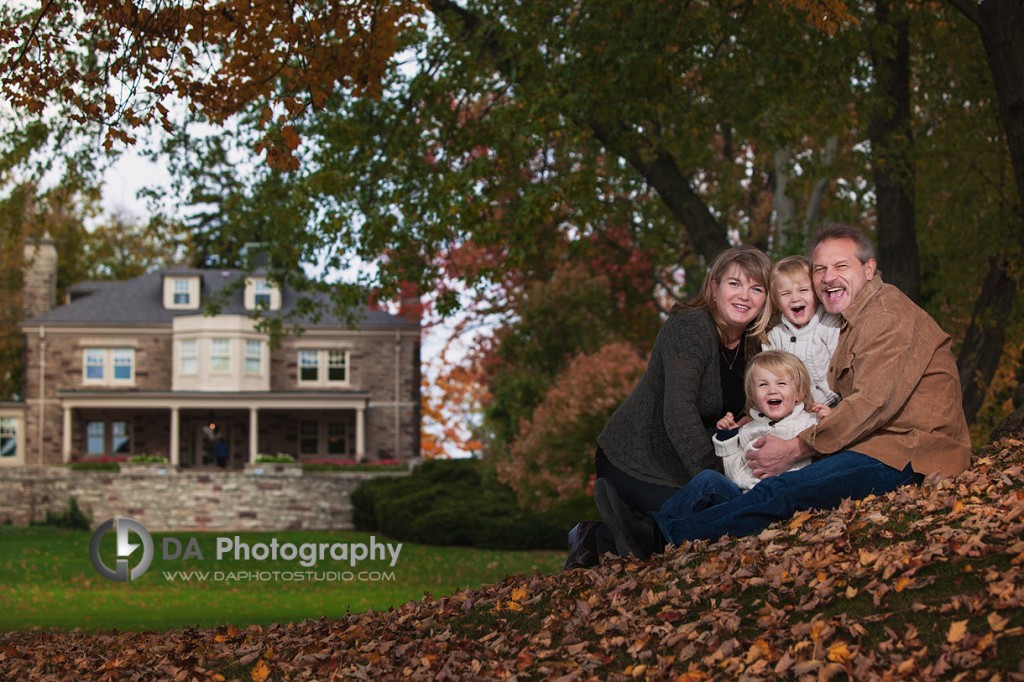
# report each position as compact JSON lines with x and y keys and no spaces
{"x":735,"y":356}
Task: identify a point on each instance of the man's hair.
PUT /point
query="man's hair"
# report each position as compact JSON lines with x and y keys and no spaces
{"x":865,"y":249}
{"x":752,"y":262}
{"x":780,"y":363}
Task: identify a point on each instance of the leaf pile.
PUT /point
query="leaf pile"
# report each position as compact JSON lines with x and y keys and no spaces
{"x":919,"y":584}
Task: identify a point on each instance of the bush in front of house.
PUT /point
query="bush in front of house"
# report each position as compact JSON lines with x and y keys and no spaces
{"x":453,"y":502}
{"x":72,"y":518}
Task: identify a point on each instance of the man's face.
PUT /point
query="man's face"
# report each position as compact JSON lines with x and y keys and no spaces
{"x":838,"y":274}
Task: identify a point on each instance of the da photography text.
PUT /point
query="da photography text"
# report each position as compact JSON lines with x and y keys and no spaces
{"x":130,"y":564}
{"x":308,"y":554}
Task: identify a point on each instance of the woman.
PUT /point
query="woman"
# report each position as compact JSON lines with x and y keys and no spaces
{"x":660,"y":437}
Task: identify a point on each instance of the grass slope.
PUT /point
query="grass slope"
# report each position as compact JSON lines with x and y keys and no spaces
{"x":920,"y":584}
{"x":48,"y":581}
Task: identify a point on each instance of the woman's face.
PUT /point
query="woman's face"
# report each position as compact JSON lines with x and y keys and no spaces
{"x":738,"y":298}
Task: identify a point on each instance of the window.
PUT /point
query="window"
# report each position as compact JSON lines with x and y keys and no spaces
{"x":262,"y":291}
{"x":336,"y":366}
{"x":109,"y":365}
{"x":309,"y":366}
{"x":309,"y":441}
{"x":8,"y":437}
{"x":95,"y":361}
{"x":182,"y":292}
{"x":108,"y":438}
{"x":220,"y":355}
{"x":95,"y":438}
{"x":337,"y":438}
{"x":122,"y":363}
{"x":120,"y":439}
{"x":189,"y":356}
{"x":327,"y":437}
{"x":253,"y":357}
{"x":323,"y":367}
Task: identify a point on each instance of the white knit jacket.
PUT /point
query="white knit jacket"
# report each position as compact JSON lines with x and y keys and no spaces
{"x":814,"y":344}
{"x":734,"y":450}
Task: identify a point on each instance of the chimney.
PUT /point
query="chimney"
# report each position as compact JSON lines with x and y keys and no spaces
{"x":39,"y":287}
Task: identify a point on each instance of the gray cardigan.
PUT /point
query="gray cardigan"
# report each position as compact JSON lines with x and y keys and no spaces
{"x":662,"y":432}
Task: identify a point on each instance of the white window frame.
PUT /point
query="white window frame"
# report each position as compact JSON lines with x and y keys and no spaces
{"x":262,"y":294}
{"x":188,"y":357}
{"x":253,"y":357}
{"x":109,"y":361}
{"x":108,"y":432}
{"x":220,"y":355}
{"x":319,"y":433}
{"x":8,"y":435}
{"x":181,"y":292}
{"x":323,"y":365}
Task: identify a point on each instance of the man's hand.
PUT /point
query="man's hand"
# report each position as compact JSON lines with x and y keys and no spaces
{"x":771,"y":455}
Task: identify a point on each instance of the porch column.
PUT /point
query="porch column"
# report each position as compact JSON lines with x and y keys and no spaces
{"x":175,"y":445}
{"x":66,"y":436}
{"x":360,"y":434}
{"x":254,"y":434}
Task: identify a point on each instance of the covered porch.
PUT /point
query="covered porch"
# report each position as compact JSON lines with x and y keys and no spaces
{"x":191,"y":427}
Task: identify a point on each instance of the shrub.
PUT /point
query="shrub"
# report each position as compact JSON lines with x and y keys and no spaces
{"x":278,"y":458}
{"x":552,"y":458}
{"x":453,"y":502}
{"x":148,"y":459}
{"x":72,"y":517}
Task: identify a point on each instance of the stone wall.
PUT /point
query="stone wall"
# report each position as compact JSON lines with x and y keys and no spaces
{"x":266,"y":498}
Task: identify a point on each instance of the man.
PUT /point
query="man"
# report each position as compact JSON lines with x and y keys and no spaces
{"x":900,"y":417}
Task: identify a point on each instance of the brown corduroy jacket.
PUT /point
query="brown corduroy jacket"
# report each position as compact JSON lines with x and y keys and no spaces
{"x":900,"y":389}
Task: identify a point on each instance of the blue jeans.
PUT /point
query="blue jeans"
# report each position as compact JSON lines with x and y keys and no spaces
{"x":710,"y":505}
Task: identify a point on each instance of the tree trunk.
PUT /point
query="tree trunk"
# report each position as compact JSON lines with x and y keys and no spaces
{"x":1001,"y":26}
{"x":892,"y":143}
{"x":986,"y":335}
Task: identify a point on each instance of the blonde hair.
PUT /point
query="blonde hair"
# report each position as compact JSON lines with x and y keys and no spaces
{"x":753,"y":263}
{"x":787,"y":267}
{"x":780,"y":363}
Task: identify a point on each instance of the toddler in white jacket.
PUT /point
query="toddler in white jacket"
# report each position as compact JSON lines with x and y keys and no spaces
{"x":805,"y":329}
{"x":778,"y":387}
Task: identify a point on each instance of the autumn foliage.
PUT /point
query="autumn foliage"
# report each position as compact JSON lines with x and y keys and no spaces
{"x":552,"y":458}
{"x":921,"y":584}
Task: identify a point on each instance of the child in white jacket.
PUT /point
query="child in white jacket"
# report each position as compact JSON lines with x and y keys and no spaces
{"x":778,"y":386}
{"x":805,"y":329}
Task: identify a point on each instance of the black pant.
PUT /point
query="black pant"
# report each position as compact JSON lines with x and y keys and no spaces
{"x":640,"y":495}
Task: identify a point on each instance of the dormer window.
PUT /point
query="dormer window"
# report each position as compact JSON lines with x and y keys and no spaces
{"x":181,"y":292}
{"x":260,"y":294}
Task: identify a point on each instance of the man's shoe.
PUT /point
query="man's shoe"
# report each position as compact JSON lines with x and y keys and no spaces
{"x":581,"y":556}
{"x":634,"y":533}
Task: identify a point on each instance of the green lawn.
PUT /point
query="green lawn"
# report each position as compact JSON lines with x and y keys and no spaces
{"x":47,"y":581}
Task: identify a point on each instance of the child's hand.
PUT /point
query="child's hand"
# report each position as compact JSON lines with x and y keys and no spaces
{"x":726,"y":423}
{"x":745,"y":419}
{"x":821,"y":410}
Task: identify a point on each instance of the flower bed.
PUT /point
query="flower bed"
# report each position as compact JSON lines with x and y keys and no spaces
{"x":98,"y":463}
{"x":335,"y":464}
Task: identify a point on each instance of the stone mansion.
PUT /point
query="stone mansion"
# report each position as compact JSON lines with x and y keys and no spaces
{"x":136,"y":367}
